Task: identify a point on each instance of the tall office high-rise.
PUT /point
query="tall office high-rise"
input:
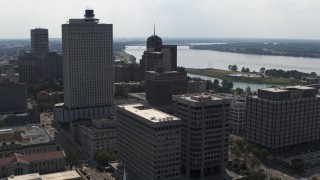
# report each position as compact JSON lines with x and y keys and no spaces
{"x":87,"y":51}
{"x":39,"y":42}
{"x":149,"y":142}
{"x":205,"y":134}
{"x":27,"y":68}
{"x":158,"y":55}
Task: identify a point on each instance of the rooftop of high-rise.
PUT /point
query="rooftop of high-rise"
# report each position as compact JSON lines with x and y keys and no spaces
{"x":148,"y":113}
{"x":201,"y":97}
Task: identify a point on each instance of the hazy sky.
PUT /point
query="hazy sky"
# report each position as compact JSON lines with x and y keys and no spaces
{"x":296,"y":19}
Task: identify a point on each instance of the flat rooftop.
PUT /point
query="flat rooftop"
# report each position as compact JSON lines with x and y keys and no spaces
{"x":34,"y":132}
{"x":288,"y":88}
{"x":65,"y":175}
{"x":197,"y":97}
{"x":274,"y":90}
{"x":33,"y":176}
{"x":148,"y":113}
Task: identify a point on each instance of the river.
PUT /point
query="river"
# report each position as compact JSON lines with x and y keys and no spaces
{"x":191,"y":58}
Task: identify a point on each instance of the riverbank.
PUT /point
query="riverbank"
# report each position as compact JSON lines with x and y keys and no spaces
{"x":123,"y":56}
{"x":225,"y":75}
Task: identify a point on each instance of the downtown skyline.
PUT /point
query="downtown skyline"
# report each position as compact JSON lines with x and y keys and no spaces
{"x":284,"y":19}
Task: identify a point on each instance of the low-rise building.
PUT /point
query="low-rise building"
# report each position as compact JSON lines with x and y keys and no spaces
{"x":27,"y":139}
{"x":16,"y":163}
{"x":95,"y":135}
{"x":64,"y":175}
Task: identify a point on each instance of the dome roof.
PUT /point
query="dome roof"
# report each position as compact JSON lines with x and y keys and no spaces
{"x":154,"y":41}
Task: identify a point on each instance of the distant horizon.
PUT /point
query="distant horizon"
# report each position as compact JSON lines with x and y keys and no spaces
{"x":184,"y":38}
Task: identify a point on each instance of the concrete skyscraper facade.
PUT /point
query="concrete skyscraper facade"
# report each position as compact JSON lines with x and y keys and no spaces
{"x":205,"y":134}
{"x":149,"y":143}
{"x":238,"y":115}
{"x":283,"y":119}
{"x":87,"y":49}
{"x":28,"y":68}
{"x":161,"y":85}
{"x":39,"y":42}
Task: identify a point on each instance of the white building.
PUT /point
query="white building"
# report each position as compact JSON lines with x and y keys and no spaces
{"x":87,"y":49}
{"x":149,"y":143}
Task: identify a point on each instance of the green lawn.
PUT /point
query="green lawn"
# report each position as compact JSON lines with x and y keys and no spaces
{"x":223,"y":74}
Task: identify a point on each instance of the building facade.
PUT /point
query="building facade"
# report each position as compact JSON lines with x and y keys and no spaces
{"x":49,"y":67}
{"x":238,"y":115}
{"x":196,"y":86}
{"x":148,"y":143}
{"x":13,"y":98}
{"x":95,"y":135}
{"x":158,"y":55}
{"x":88,"y":75}
{"x":28,"y":68}
{"x":161,"y":85}
{"x":39,"y":42}
{"x":205,"y":134}
{"x":126,"y":73}
{"x":283,"y":119}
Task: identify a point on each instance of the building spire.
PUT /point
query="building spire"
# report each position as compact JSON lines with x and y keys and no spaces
{"x":154,"y":28}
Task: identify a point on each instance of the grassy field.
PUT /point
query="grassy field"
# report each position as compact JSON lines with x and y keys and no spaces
{"x":121,"y":55}
{"x":223,"y":74}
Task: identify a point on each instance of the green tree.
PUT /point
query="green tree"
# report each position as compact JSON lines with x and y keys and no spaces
{"x":257,"y":176}
{"x":236,"y":152}
{"x":298,"y":165}
{"x":239,"y":91}
{"x":216,"y":82}
{"x":103,"y":157}
{"x":248,"y":91}
{"x":209,"y":85}
{"x":240,"y":143}
{"x":229,"y":67}
{"x":275,"y":178}
{"x":243,"y":69}
{"x":234,"y":68}
{"x":313,"y":74}
{"x":262,"y":70}
{"x":247,"y":70}
{"x":262,"y":153}
{"x":253,"y":162}
{"x":72,"y":158}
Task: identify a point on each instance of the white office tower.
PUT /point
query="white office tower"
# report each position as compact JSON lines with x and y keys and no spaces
{"x":149,"y":143}
{"x":87,"y":69}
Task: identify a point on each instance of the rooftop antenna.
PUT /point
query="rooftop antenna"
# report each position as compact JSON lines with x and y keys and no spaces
{"x":154,"y":28}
